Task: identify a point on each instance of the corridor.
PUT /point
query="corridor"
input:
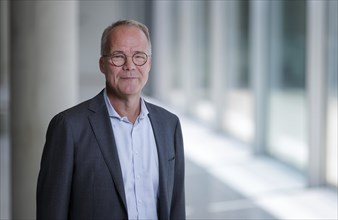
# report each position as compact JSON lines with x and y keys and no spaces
{"x":253,"y":82}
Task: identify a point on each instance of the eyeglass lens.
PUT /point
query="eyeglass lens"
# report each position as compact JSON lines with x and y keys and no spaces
{"x":119,"y":59}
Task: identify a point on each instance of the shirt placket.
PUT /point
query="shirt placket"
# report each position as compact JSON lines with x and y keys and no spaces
{"x":136,"y":143}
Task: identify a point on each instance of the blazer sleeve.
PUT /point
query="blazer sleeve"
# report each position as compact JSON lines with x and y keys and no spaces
{"x":55,"y":176}
{"x":177,"y":210}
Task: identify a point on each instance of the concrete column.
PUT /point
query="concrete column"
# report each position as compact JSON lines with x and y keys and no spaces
{"x":258,"y":41}
{"x":43,"y":82}
{"x":316,"y":88}
{"x":188,"y":66}
{"x":219,"y":39}
{"x":163,"y":66}
{"x":232,"y":45}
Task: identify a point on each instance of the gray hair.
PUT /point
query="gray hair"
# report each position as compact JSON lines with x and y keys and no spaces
{"x":107,"y":31}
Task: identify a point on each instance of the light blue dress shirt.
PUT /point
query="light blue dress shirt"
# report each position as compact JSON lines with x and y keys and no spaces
{"x":138,"y":157}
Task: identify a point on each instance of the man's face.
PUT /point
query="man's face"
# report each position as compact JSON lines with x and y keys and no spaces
{"x":129,"y":79}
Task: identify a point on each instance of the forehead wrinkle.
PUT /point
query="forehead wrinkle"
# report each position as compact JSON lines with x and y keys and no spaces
{"x":128,"y":39}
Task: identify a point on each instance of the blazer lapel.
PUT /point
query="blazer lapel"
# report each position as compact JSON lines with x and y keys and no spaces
{"x":163,"y":163}
{"x":101,"y":126}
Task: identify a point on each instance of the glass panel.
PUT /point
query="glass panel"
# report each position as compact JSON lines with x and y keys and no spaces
{"x":238,"y":116}
{"x":287,"y":124}
{"x":332,"y":100}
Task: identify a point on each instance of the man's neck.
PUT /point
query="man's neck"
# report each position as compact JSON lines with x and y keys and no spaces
{"x":128,"y":106}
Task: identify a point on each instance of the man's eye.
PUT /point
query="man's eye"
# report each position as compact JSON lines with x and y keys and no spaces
{"x":118,"y":57}
{"x":139,"y":57}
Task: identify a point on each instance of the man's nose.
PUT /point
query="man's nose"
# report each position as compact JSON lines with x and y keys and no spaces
{"x":129,"y":65}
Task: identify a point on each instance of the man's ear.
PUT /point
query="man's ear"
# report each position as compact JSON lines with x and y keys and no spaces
{"x":102,"y":65}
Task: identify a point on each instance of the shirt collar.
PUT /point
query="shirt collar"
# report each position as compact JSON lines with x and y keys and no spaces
{"x":112,"y":112}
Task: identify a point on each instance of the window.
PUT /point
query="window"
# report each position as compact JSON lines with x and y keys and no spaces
{"x":332,"y":93}
{"x":287,"y":123}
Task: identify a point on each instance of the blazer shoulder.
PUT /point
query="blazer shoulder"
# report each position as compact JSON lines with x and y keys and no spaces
{"x":82,"y":109}
{"x":159,"y":111}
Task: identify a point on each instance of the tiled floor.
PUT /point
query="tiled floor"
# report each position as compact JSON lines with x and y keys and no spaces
{"x":209,"y":198}
{"x":225,"y":181}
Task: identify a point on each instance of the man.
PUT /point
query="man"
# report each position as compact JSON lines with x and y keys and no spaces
{"x":114,"y":156}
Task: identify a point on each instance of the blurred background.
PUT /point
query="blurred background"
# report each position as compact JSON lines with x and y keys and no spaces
{"x":254,"y":83}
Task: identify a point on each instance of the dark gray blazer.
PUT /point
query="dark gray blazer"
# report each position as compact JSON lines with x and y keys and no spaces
{"x":80,"y":175}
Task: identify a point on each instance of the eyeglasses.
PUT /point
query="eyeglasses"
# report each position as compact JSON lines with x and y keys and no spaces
{"x":119,"y":59}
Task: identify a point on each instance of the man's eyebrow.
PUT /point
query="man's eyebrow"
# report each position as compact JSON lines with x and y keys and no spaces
{"x":117,"y":51}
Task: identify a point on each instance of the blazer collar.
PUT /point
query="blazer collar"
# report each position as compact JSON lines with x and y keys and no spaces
{"x":156,"y":122}
{"x":101,"y":126}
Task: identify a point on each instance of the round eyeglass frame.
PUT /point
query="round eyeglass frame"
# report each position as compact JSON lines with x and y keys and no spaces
{"x":110,"y":56}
